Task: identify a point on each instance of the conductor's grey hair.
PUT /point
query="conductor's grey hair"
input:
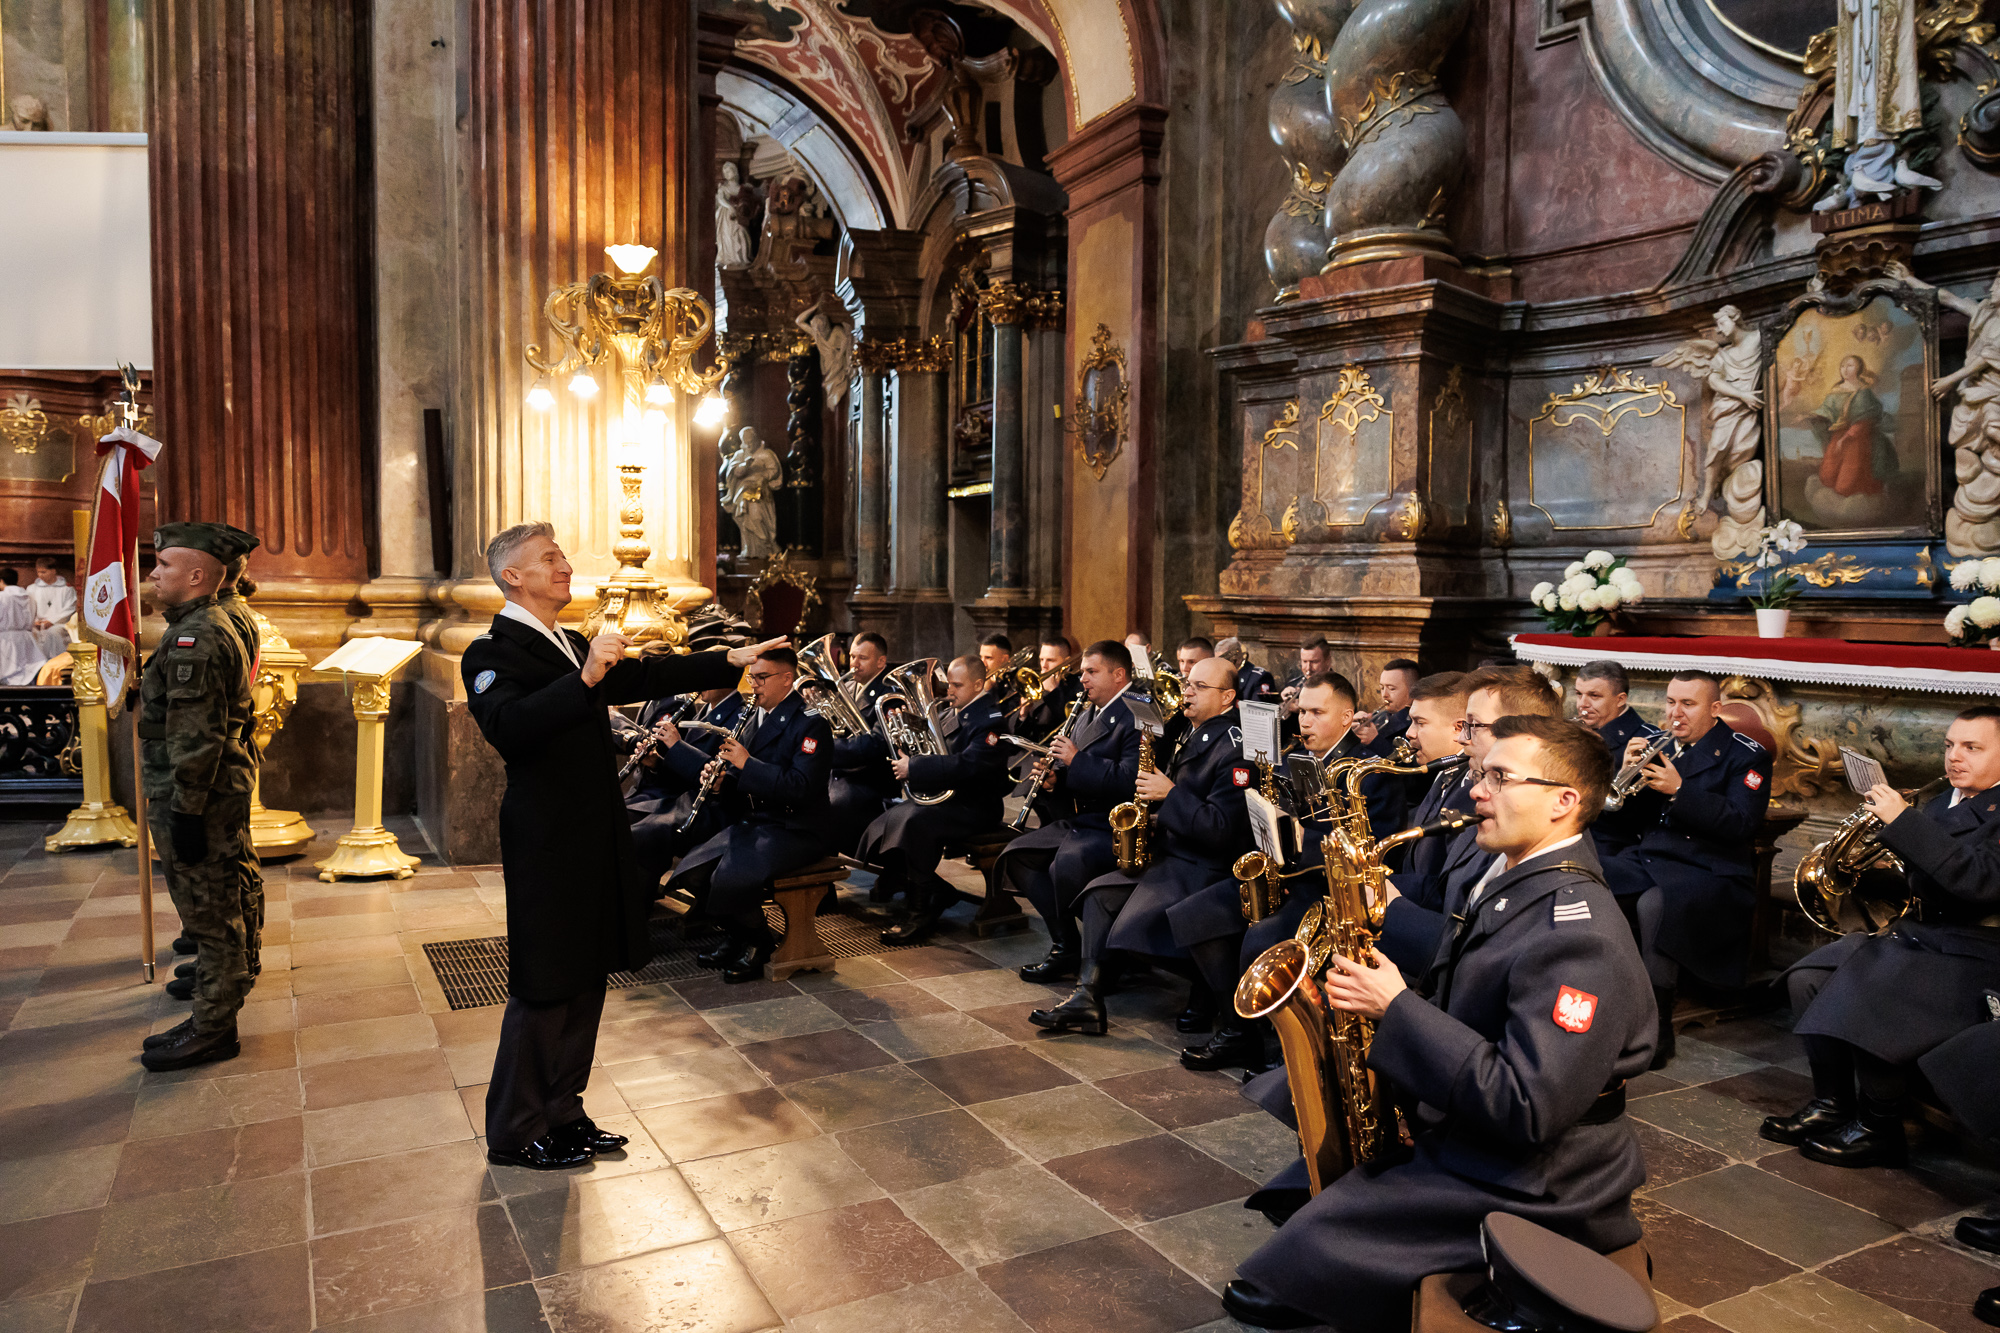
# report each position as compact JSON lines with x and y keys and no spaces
{"x":500,"y":552}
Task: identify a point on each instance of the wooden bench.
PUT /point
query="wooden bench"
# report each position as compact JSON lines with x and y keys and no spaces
{"x":1439,"y":1303}
{"x":1000,"y":910}
{"x":798,"y":896}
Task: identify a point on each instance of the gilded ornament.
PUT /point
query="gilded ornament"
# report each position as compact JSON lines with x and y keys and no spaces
{"x":1628,"y":393}
{"x":1806,"y":766}
{"x":1102,"y":391}
{"x":878,"y":356}
{"x":1003,"y":302}
{"x":1451,"y":424}
{"x":23,"y":424}
{"x":924,"y":355}
{"x":1311,"y":61}
{"x":1289,"y":525}
{"x":1411,"y":518}
{"x":1045,"y":309}
{"x":1405,"y":93}
{"x":777,"y":571}
{"x":1353,"y":401}
{"x":1307,"y":196}
{"x":1503,"y":524}
{"x":1238,"y":538}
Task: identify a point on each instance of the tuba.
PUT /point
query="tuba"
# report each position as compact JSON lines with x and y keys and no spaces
{"x":908,"y":719}
{"x":1832,"y":878}
{"x":826,"y":692}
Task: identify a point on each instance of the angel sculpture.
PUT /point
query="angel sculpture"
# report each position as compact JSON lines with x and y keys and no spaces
{"x":1727,"y":366}
{"x":836,"y":349}
{"x":1972,"y":526}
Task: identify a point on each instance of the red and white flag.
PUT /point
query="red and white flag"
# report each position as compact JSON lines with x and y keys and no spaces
{"x":111,"y":584}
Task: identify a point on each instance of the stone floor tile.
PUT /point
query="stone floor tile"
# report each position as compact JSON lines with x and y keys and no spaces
{"x":375,"y":1190}
{"x":1902,"y":1197}
{"x":935,"y":1034}
{"x":51,"y":1313}
{"x":1113,"y":1281}
{"x":995,"y":1215}
{"x":397,"y":1034}
{"x":58,"y":1182}
{"x":393,"y":1124}
{"x":1174,"y":1098}
{"x":1095,"y":1058}
{"x":515,"y":1309}
{"x":48,"y":1254}
{"x":848,"y":974}
{"x":689,"y":1077}
{"x":639,"y":1155}
{"x":132,"y":1002}
{"x":415,"y":1261}
{"x":467,"y":1027}
{"x":1709,"y":1118}
{"x":693,"y":1130}
{"x":1148,"y":1179}
{"x":961,"y":1303}
{"x":784,"y":1180}
{"x":1762,"y":1038}
{"x":983,"y":990}
{"x":1670,"y":1158}
{"x":350,"y":1006}
{"x":309,"y":930}
{"x":1697,"y":1264}
{"x":651,"y":1037}
{"x":1256,"y":1145}
{"x":711,"y":992}
{"x":209,"y":1157}
{"x":275,"y":1014}
{"x":359,"y":974}
{"x":1809,"y":1303}
{"x":624,"y":1003}
{"x":697,"y":1288}
{"x":164,"y":1109}
{"x":1696,"y":1061}
{"x":815,"y":1055}
{"x":925,"y":1150}
{"x":30,"y":1131}
{"x":196,"y":1226}
{"x":374,"y":1078}
{"x":765,"y":1020}
{"x":63,"y":1080}
{"x":1691,"y":1323}
{"x":1057,"y":1122}
{"x":1011,"y":1021}
{"x":1210,"y":1242}
{"x":269,"y":1291}
{"x":936,"y":960}
{"x":982,"y":1076}
{"x":876,"y":1004}
{"x":866,"y":1097}
{"x":596,"y":1221}
{"x":472,"y":1063}
{"x":118,"y":1035}
{"x":841,"y":1255}
{"x":1772,"y":1090}
{"x":1774,"y":1214}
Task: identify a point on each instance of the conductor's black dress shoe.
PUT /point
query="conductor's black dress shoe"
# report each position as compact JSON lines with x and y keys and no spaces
{"x":547,"y":1153}
{"x":585,"y":1134}
{"x":1250,"y":1304}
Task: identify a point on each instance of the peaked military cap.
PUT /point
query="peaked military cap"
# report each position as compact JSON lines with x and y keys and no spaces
{"x":220,"y":540}
{"x":1538,"y":1280}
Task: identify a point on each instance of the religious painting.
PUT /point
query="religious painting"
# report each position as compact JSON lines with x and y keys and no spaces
{"x":1101,"y":393}
{"x":1848,"y":415}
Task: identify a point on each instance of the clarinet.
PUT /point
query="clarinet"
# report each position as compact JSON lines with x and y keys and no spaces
{"x":1047,"y":762}
{"x":652,"y":741}
{"x":712,"y":775}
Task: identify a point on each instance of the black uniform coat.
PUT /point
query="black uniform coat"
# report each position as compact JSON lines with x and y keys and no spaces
{"x":1965,"y":1072}
{"x":1255,"y":684}
{"x":975,"y":772}
{"x":577,"y":902}
{"x":1417,"y":919}
{"x":1392,"y":729}
{"x":1421,"y":860}
{"x":775,"y":809}
{"x":1900,"y":994}
{"x":1200,"y":830}
{"x":1702,"y":855}
{"x":862,"y":781}
{"x":1101,"y":776}
{"x":1617,"y":831}
{"x":1537,"y":1005}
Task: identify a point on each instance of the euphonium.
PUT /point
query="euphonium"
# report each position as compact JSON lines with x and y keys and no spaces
{"x":1021,"y":674}
{"x":1833,"y":874}
{"x":1630,"y":777}
{"x":824,"y":691}
{"x":916,"y":682}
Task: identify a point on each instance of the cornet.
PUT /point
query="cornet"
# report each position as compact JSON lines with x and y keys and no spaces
{"x":1633,"y":775}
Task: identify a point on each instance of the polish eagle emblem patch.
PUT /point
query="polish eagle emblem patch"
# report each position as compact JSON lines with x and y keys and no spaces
{"x":1574,"y":1009}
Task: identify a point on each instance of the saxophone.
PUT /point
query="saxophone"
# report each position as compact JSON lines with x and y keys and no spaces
{"x":1129,"y":820}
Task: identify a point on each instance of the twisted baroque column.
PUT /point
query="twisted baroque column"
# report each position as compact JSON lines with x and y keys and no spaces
{"x":1308,"y":140}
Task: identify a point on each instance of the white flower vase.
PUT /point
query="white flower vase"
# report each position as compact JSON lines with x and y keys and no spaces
{"x":1772,"y":622}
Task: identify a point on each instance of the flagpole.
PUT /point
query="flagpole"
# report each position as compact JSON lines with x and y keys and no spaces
{"x":151,"y":950}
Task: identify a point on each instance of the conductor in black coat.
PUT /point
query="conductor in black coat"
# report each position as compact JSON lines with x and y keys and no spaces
{"x":1511,"y":1060}
{"x":908,"y":840}
{"x":1870,"y":1005}
{"x":577,"y":902}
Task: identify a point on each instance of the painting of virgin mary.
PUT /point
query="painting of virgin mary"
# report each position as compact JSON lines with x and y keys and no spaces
{"x":1848,"y":423}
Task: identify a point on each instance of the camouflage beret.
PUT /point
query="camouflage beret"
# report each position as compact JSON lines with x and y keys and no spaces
{"x":220,"y":540}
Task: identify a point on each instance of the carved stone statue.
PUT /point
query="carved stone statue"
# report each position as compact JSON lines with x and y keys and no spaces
{"x":835,"y":341}
{"x":749,"y":476}
{"x":1972,"y":525}
{"x":1727,"y":366}
{"x":1876,"y":97}
{"x":732,"y":238}
{"x":27,"y":112}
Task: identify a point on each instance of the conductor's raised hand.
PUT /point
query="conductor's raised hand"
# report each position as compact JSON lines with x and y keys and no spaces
{"x":733,"y":753}
{"x":743,"y":657}
{"x":606,"y":651}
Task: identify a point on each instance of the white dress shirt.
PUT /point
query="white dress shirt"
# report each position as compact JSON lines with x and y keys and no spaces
{"x":1499,"y":867}
{"x":515,"y":611}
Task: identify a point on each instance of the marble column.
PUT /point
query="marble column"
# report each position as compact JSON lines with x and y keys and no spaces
{"x":1003,"y":305}
{"x":871,"y":565}
{"x":263,"y":306}
{"x":920,"y":560}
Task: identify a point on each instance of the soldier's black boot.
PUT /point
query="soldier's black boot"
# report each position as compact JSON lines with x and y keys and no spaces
{"x":1821,"y":1115}
{"x":181,"y":988}
{"x":1870,"y":1139}
{"x":1061,"y":964}
{"x":1199,"y":1016}
{"x":183,"y":945}
{"x":170,"y":1036}
{"x":753,"y":952}
{"x":1234,"y":1046}
{"x":1663,"y":1050}
{"x":1083,"y":1011}
{"x":193,"y":1048}
{"x":927,"y":906}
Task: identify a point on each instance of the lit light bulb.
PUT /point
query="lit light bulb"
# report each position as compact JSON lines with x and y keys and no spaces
{"x":659,"y":392}
{"x":632,"y":258}
{"x":582,"y":385}
{"x":540,"y":398}
{"x":711,"y":411}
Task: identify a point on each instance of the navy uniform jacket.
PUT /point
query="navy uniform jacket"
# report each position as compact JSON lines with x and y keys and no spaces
{"x":683,"y":762}
{"x":1702,"y":854}
{"x":1105,"y":767}
{"x":864,"y":759}
{"x":784,"y":781}
{"x":976,"y":769}
{"x":1537,"y":1005}
{"x":661,"y":782}
{"x":1965,"y":1071}
{"x":1047,"y":715}
{"x":1420,"y":861}
{"x":577,"y":900}
{"x":1393,"y":728}
{"x":1900,"y":994}
{"x":1617,"y":831}
{"x":1417,"y":919}
{"x":1255,"y":684}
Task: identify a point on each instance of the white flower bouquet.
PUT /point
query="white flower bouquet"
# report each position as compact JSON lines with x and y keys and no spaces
{"x":1775,"y":544}
{"x":1591,"y":589}
{"x":1979,"y":620}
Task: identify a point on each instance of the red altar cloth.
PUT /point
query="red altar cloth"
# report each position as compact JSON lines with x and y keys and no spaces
{"x":1973,"y":671}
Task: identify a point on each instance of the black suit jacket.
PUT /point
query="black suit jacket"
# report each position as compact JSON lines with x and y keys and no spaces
{"x":577,"y":903}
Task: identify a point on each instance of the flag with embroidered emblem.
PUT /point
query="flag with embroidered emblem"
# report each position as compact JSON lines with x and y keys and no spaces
{"x":111,"y":579}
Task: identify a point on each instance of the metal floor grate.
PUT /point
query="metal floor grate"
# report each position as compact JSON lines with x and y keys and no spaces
{"x":473,"y":973}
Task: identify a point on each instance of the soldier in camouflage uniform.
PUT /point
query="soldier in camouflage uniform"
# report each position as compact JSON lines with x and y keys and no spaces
{"x":197,"y":763}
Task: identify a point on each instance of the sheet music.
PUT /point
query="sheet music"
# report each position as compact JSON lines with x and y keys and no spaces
{"x":1145,"y":715}
{"x":1862,"y":772}
{"x":1142,"y":661}
{"x":1260,"y":731}
{"x":371,"y":657}
{"x":1264,"y":825}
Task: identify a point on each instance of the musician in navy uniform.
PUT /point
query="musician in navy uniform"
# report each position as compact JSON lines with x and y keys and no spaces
{"x":1201,"y":827}
{"x":908,"y":840}
{"x":1434,"y":731}
{"x":1383,"y":728}
{"x":1601,"y":705}
{"x":773,"y":787}
{"x":1312,"y":661}
{"x":862,"y":785}
{"x":1253,"y":683}
{"x":1510,"y":1058}
{"x":1965,"y":1074}
{"x":1095,"y":767}
{"x":1872,"y":1005}
{"x":577,"y":902}
{"x":1692,"y":874}
{"x":665,"y":795}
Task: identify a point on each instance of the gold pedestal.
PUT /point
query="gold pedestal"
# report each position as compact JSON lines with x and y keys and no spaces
{"x":368,"y":849}
{"x":274,"y":833}
{"x":98,"y":820}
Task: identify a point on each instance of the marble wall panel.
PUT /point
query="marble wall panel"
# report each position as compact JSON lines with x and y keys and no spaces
{"x":1097,"y":592}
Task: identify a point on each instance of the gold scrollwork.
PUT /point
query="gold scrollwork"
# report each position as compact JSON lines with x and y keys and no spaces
{"x":779,"y":570}
{"x":1827,"y":571}
{"x":1354,"y":401}
{"x":1102,"y":390}
{"x":23,"y":424}
{"x":1410,"y":519}
{"x":1403,"y":93}
{"x":1307,"y":196}
{"x":1503,"y":523}
{"x":1004,"y":302}
{"x":1252,"y":526}
{"x":921,"y":355}
{"x":1603,"y":399}
{"x":1288,"y":527}
{"x":1806,"y":766}
{"x":371,"y":698}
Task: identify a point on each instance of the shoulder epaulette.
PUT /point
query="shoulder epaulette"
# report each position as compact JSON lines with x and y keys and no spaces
{"x":1741,"y":739}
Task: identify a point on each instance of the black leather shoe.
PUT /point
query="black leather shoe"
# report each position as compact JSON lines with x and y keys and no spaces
{"x":185,"y":1026}
{"x":748,"y":964}
{"x":1981,"y":1233}
{"x":546,"y":1153}
{"x":1987,"y":1308}
{"x":1248,"y":1303}
{"x":720,"y":955}
{"x":183,"y":945}
{"x":1199,"y":1016}
{"x":1082,"y":1012}
{"x":1229,"y":1048}
{"x":181,"y":988}
{"x":193,"y":1048}
{"x":184,"y":970}
{"x":585,"y":1134}
{"x":924,"y":915}
{"x":1062,"y":964}
{"x":1864,"y":1141}
{"x":1821,"y":1115}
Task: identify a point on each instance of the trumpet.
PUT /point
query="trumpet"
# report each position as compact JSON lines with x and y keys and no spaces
{"x":1633,"y":774}
{"x":1043,"y":765}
